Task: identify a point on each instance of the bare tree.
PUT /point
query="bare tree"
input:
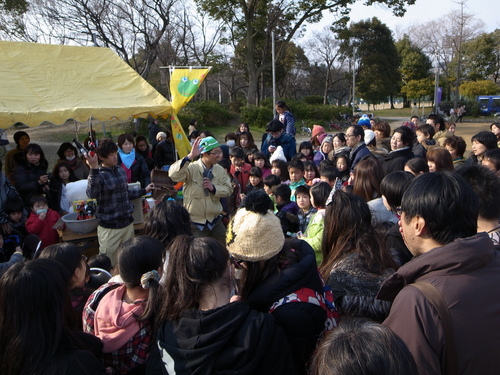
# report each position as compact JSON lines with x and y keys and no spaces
{"x":324,"y":49}
{"x":132,"y":28}
{"x":443,"y":39}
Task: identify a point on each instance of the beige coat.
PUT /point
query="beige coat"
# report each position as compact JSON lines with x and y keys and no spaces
{"x":201,"y":207}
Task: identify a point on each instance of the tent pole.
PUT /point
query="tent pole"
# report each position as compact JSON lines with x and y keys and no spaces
{"x":103,"y":124}
{"x":170,"y":70}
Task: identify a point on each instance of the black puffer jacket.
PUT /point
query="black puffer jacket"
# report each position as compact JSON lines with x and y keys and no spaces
{"x":355,"y":288}
{"x":26,"y":176}
{"x":396,"y":160}
{"x":303,"y":322}
{"x":164,"y":153}
{"x":140,"y":170}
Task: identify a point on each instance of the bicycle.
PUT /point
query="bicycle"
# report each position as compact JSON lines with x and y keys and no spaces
{"x":305,"y":130}
{"x":343,"y":122}
{"x":3,"y":142}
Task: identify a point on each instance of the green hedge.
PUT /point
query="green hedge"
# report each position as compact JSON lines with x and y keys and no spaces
{"x":210,"y":113}
{"x":471,"y":106}
{"x":305,"y":114}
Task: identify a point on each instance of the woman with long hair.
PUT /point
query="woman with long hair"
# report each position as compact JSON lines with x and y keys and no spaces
{"x":122,"y":314}
{"x":62,"y":174}
{"x":275,"y":272}
{"x":200,"y":331}
{"x":355,"y":259}
{"x":35,"y":337}
{"x":143,"y":148}
{"x":70,"y":256}
{"x":246,"y":142}
{"x":368,"y":176}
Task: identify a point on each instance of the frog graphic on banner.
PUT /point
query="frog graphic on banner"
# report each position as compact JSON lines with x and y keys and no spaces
{"x":183,"y":85}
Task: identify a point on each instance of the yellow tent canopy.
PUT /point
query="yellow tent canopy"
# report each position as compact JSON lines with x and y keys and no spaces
{"x":54,"y":83}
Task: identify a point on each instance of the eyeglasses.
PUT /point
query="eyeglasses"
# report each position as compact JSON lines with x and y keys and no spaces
{"x":216,"y":152}
{"x":399,"y":211}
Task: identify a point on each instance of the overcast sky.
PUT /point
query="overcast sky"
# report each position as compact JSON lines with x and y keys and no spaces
{"x":425,"y":10}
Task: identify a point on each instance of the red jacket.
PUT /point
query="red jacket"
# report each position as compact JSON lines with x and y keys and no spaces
{"x":243,"y":176}
{"x":43,"y":228}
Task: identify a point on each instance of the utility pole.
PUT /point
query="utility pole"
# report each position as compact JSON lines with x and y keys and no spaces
{"x":458,"y":48}
{"x":436,"y":86}
{"x":274,"y":73}
{"x":354,"y":81}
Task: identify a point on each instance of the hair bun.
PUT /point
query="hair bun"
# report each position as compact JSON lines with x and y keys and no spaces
{"x":258,"y":201}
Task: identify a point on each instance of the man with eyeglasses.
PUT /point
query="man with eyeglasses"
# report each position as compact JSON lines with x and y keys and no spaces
{"x":446,"y":300}
{"x":277,"y":137}
{"x":205,"y":183}
{"x":354,"y":139}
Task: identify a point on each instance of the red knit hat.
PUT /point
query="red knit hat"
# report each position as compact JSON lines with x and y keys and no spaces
{"x":317,"y":130}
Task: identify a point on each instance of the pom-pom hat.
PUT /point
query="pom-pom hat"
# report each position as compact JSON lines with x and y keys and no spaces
{"x":365,"y":121}
{"x":255,"y":232}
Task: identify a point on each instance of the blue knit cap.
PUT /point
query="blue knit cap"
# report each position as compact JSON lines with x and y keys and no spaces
{"x":364,"y":121}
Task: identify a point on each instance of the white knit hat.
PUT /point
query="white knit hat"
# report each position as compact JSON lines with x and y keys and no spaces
{"x":255,"y":232}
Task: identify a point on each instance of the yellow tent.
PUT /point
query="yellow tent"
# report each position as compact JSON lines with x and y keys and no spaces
{"x":54,"y":83}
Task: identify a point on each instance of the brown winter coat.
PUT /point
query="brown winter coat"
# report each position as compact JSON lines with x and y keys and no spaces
{"x":467,"y":274}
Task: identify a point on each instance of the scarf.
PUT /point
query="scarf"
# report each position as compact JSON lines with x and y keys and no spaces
{"x":127,"y":159}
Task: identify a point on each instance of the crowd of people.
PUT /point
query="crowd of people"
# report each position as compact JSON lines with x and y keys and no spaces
{"x":370,"y":251}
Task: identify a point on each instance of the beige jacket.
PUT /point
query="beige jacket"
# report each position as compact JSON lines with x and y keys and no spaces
{"x":201,"y":207}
